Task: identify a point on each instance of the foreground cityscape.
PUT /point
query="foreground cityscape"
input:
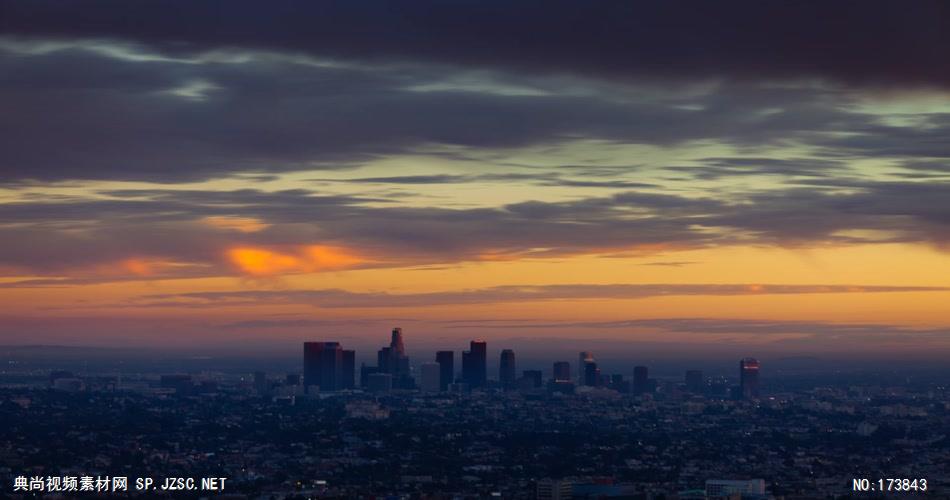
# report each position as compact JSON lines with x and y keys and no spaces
{"x":434,"y":431}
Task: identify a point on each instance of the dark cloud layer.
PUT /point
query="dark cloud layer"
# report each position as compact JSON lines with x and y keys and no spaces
{"x":91,"y":110}
{"x":186,"y":91}
{"x":860,"y":42}
{"x":172,"y":225}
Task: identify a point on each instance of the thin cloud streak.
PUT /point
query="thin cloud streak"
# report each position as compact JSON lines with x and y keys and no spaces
{"x":335,"y":298}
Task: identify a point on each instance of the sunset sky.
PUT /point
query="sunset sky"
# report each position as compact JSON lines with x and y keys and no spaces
{"x":764,"y":176}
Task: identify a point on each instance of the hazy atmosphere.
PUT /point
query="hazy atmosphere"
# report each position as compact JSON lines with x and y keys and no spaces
{"x":216,"y":176}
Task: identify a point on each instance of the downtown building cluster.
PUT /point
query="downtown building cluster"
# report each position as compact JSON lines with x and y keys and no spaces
{"x":328,"y":367}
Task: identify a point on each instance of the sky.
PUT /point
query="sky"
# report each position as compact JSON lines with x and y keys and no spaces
{"x":749,"y":177}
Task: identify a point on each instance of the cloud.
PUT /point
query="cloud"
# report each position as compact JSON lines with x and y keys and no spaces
{"x":172,"y":226}
{"x":866,"y":42}
{"x":130,"y":112}
{"x":715,"y":326}
{"x":541,"y":179}
{"x":334,"y":298}
{"x":908,"y":211}
{"x":731,"y":333}
{"x":268,"y":324}
{"x":717,"y":168}
{"x":676,"y":263}
{"x":306,"y":259}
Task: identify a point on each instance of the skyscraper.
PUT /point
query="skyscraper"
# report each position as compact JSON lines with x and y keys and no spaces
{"x":348,"y":370}
{"x":506,"y":369}
{"x":331,"y":366}
{"x":475,"y":364}
{"x":468,"y":367}
{"x":749,"y":378}
{"x":446,"y":360}
{"x":431,"y":376}
{"x":694,"y":381}
{"x":591,"y":374}
{"x":311,"y":363}
{"x":582,"y":358}
{"x":323,"y":365}
{"x":562,"y":371}
{"x":641,"y":381}
{"x":396,"y":342}
{"x":393,"y":360}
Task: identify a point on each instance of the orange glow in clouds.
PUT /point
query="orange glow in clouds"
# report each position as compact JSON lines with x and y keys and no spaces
{"x":137,"y":267}
{"x":240,"y":224}
{"x":307,"y":259}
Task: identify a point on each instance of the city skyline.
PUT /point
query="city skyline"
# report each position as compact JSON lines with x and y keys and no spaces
{"x":180,"y":188}
{"x":327,"y":367}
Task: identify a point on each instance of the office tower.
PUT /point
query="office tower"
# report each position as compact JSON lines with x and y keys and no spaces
{"x":641,"y":382}
{"x":292,"y":379}
{"x":475,"y":364}
{"x":331,"y":366}
{"x":468,"y":366}
{"x":694,"y":381}
{"x":311,"y":362}
{"x":534,"y":376}
{"x":396,"y":342}
{"x":314,"y":366}
{"x":393,"y":360}
{"x":446,"y":360}
{"x":583,"y":358}
{"x":431,"y":376}
{"x":398,"y":367}
{"x":506,"y":369}
{"x":384,"y":360}
{"x":323,"y":365}
{"x":348,"y":370}
{"x":749,"y":378}
{"x":479,"y":349}
{"x":260,"y":382}
{"x":562,"y":371}
{"x":591,"y":374}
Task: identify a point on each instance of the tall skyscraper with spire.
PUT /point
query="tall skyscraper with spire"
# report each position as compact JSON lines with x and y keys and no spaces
{"x":393,"y":360}
{"x":396,"y":343}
